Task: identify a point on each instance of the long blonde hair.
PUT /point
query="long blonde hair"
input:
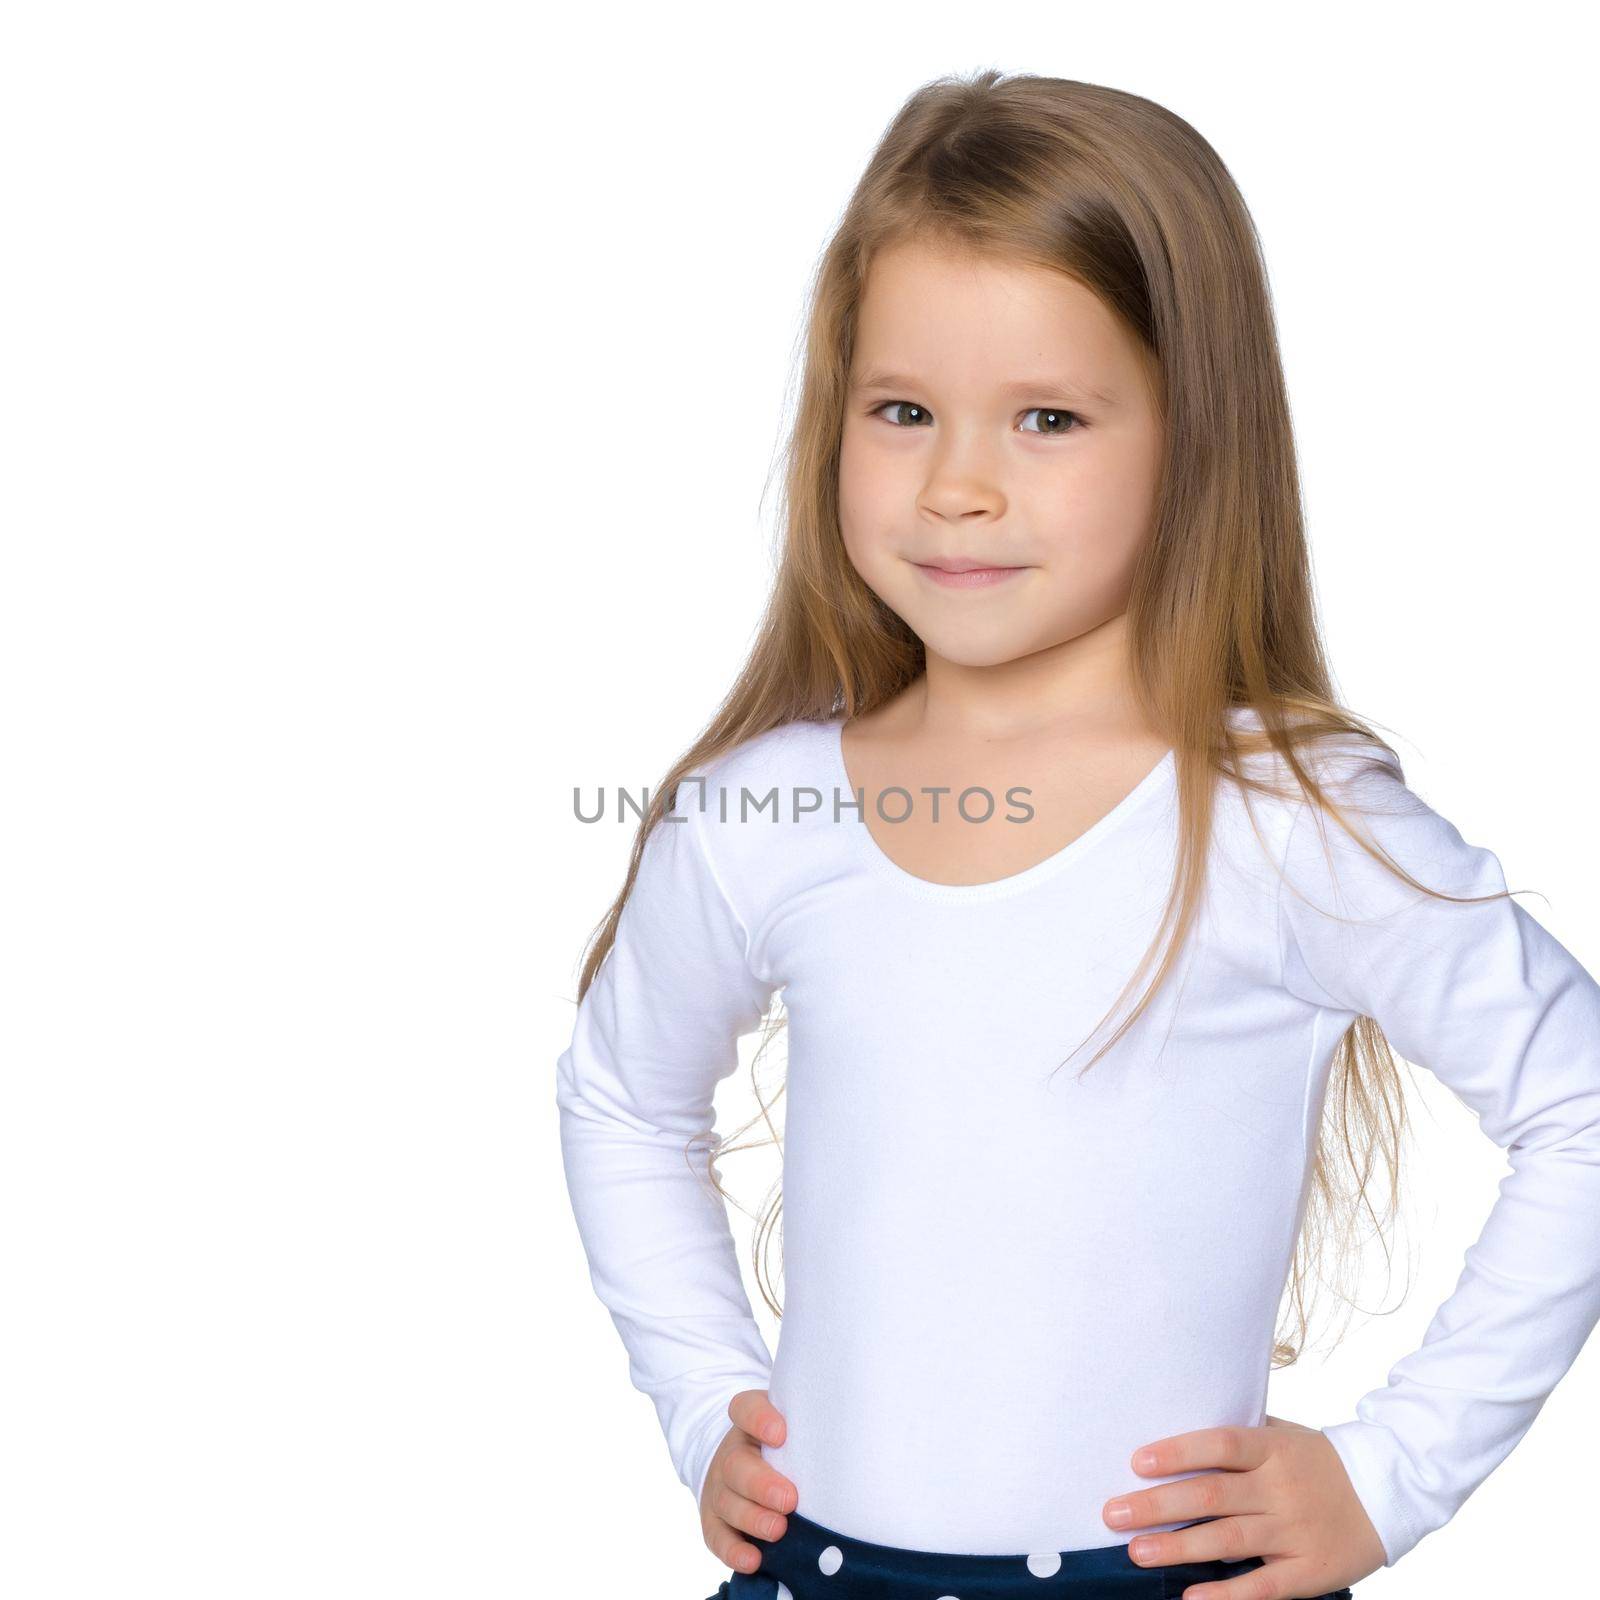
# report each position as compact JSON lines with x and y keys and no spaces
{"x":1129,"y":200}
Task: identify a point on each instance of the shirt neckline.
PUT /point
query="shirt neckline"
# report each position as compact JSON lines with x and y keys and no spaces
{"x":1154,"y":783}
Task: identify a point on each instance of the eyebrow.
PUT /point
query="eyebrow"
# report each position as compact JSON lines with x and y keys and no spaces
{"x":875,"y":378}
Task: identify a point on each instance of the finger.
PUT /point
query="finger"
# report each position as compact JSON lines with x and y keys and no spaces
{"x":745,"y":1470}
{"x":724,"y":1541}
{"x":1279,"y":1580}
{"x":747,"y":1516}
{"x":1209,"y":1494}
{"x":1235,"y":1449}
{"x":751,"y":1410}
{"x":732,"y":1551}
{"x":1226,"y":1539}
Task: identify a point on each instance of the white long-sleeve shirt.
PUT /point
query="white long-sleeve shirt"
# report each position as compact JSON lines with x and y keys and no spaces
{"x":999,"y":1280}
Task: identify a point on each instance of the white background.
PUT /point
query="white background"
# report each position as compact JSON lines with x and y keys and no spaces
{"x":391,"y":405}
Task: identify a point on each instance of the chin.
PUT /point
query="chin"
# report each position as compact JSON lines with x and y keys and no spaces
{"x":964,"y":648}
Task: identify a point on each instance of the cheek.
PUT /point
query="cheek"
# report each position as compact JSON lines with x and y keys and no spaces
{"x":854,"y":477}
{"x":866,"y":494}
{"x":1090,"y":569}
{"x":1102,"y":515}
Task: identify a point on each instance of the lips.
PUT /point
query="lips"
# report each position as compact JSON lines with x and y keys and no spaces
{"x":968,"y":575}
{"x":965,"y":564}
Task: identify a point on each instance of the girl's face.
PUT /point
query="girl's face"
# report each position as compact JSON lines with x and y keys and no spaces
{"x":998,"y":414}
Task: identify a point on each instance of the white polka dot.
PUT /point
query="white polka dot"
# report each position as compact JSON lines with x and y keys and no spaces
{"x":831,"y":1559}
{"x":1045,"y":1566}
{"x":785,"y":1592}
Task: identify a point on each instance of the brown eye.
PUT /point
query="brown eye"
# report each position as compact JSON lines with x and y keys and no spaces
{"x":1056,"y":420}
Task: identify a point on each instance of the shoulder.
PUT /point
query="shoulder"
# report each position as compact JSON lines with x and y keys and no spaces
{"x":1285,"y":857}
{"x":790,"y":753}
{"x":1360,"y":775}
{"x":1268,"y":821}
{"x":755,"y":808}
{"x":1339,"y":756}
{"x":764,"y":788}
{"x":1346,"y":845}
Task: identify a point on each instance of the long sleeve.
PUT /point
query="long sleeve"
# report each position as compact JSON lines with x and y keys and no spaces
{"x":655,"y":1032}
{"x":1483,"y":996}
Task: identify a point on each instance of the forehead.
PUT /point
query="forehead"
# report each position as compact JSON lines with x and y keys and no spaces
{"x":940,"y":312}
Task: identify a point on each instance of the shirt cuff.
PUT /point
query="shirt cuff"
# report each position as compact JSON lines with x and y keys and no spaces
{"x":1371,"y":1457}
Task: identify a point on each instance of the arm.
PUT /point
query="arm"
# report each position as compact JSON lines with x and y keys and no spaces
{"x":1487,"y":999}
{"x":656,"y":1031}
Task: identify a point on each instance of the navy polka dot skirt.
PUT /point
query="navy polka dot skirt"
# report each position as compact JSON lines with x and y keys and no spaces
{"x":811,"y":1562}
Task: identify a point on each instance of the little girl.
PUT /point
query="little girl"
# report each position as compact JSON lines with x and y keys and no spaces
{"x":1035,"y":802}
